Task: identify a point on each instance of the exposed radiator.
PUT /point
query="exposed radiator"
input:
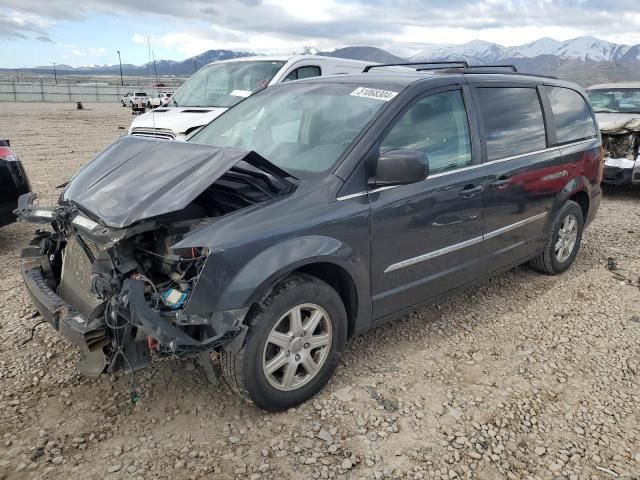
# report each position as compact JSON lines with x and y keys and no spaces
{"x":75,"y":282}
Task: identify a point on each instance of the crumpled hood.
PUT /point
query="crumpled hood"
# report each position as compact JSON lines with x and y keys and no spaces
{"x":137,"y":178}
{"x":618,"y":123}
{"x":178,"y":119}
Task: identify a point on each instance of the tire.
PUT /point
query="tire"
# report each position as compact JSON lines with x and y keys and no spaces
{"x":245,"y":370}
{"x":123,"y":103}
{"x":553,"y":260}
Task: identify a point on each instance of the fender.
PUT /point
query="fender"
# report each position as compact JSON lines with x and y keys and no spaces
{"x":256,"y":278}
{"x":573,"y":186}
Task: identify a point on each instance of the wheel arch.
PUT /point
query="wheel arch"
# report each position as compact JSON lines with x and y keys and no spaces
{"x":325,"y":258}
{"x":577,"y":190}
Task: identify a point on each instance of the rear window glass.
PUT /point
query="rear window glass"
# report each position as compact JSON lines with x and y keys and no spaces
{"x":140,"y":94}
{"x":571,"y":115}
{"x":303,"y":72}
{"x":512,"y":120}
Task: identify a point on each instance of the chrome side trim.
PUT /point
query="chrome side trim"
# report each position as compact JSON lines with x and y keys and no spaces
{"x":360,"y":194}
{"x":513,"y":226}
{"x":435,"y":253}
{"x":352,"y":195}
{"x":467,"y":243}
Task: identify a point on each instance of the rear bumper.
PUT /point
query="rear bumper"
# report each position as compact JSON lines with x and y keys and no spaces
{"x":6,"y":213}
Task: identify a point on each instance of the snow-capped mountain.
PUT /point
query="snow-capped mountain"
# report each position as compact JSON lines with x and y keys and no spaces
{"x":542,"y":46}
{"x":476,"y":51}
{"x":585,"y":49}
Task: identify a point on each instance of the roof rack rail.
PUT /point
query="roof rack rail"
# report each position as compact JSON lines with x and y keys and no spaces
{"x":480,"y":67}
{"x":456,"y":64}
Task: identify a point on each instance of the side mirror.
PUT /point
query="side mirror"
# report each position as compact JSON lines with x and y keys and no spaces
{"x":400,"y":167}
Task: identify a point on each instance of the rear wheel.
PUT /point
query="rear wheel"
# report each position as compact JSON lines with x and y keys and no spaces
{"x":295,"y":339}
{"x":563,"y":244}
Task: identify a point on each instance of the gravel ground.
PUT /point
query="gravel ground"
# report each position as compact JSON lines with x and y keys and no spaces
{"x":523,"y":377}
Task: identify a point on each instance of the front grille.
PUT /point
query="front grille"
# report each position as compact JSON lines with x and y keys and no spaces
{"x":75,"y":282}
{"x":162,"y":133}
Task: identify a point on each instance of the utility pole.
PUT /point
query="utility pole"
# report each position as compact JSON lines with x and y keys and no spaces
{"x":120,"y":60}
{"x":195,"y":64}
{"x":17,"y":76}
{"x":55,"y":76}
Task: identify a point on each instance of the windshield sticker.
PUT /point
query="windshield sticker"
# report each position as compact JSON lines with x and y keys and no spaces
{"x":241,"y":93}
{"x":384,"y":95}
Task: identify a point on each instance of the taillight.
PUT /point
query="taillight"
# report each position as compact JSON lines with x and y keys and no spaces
{"x":600,"y":163}
{"x":6,"y":153}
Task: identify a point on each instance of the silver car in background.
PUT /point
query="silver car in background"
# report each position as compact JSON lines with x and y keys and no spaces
{"x":617,"y":108}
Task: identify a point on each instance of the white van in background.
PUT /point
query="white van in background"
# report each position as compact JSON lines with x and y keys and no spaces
{"x":220,"y":85}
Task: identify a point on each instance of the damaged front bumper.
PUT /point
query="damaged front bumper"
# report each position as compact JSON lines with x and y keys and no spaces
{"x":621,"y":171}
{"x":121,"y":328}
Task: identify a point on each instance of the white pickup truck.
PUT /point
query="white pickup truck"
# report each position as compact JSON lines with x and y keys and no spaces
{"x":133,"y":98}
{"x":158,"y":99}
{"x":220,"y":85}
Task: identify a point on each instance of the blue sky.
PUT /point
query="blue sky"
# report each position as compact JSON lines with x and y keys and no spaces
{"x":38,"y":32}
{"x":93,"y":40}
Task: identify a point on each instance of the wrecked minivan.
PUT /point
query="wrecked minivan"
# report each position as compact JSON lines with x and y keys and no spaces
{"x":617,"y":108}
{"x":307,"y":213}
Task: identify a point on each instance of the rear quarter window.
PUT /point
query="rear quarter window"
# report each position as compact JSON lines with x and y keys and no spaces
{"x":512,"y":121}
{"x":571,"y":115}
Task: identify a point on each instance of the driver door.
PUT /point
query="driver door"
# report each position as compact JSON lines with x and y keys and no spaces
{"x":426,"y":236}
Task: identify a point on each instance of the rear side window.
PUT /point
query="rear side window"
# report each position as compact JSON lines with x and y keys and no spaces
{"x":571,"y":115}
{"x":512,"y":120}
{"x":303,"y":72}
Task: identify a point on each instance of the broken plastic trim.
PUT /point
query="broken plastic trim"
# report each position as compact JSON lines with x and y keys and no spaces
{"x":143,"y":316}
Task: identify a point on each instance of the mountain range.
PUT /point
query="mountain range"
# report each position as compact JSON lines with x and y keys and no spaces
{"x":583,"y":59}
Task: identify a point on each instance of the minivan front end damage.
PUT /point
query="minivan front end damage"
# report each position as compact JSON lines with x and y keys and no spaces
{"x":120,"y":293}
{"x":120,"y":290}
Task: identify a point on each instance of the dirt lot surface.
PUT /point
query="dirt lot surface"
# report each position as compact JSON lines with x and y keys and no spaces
{"x":524,"y":377}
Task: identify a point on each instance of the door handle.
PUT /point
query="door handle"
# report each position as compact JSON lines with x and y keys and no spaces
{"x":501,"y":182}
{"x":470,"y":190}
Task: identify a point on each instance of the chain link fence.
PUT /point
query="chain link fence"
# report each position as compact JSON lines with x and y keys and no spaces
{"x":69,"y":92}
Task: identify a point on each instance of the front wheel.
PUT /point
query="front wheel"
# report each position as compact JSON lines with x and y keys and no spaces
{"x":563,"y":244}
{"x":295,"y":339}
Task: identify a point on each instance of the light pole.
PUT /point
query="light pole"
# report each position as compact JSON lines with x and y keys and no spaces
{"x":120,"y":60}
{"x":195,"y":64}
{"x":55,"y":75}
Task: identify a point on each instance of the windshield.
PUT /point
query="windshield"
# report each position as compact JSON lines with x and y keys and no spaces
{"x":225,"y":84}
{"x":622,"y":100}
{"x":302,"y":128}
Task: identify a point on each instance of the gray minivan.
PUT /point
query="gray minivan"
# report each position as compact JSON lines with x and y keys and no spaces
{"x":310,"y":212}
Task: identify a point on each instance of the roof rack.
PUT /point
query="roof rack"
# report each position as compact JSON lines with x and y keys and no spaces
{"x":511,"y":68}
{"x":460,"y":65}
{"x":457,"y":64}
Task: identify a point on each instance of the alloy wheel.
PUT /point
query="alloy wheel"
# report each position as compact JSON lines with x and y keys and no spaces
{"x":567,"y":237}
{"x":297,"y":347}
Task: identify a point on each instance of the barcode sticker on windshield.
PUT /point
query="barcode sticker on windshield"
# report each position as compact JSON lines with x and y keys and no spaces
{"x":384,"y":95}
{"x":241,"y":93}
